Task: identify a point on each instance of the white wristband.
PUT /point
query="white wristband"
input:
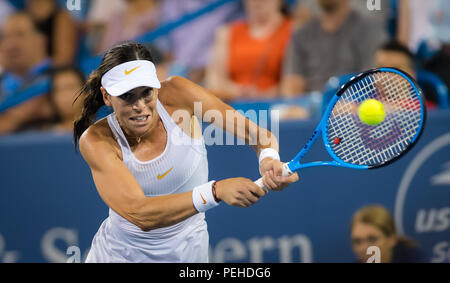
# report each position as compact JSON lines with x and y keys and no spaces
{"x":203,"y":198}
{"x":268,"y":152}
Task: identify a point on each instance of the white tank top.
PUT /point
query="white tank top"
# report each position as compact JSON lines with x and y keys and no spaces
{"x":182,"y":166}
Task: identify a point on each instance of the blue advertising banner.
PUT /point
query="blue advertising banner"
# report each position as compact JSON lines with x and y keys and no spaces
{"x":50,"y":209}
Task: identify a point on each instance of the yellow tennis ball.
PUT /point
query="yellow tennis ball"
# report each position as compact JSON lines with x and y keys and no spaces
{"x":371,"y":112}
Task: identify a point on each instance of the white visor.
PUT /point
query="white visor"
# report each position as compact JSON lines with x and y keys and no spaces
{"x":130,"y":75}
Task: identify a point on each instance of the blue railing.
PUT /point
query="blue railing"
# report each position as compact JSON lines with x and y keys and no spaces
{"x":430,"y":79}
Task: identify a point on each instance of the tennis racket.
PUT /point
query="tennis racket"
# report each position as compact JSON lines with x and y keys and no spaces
{"x":354,"y":144}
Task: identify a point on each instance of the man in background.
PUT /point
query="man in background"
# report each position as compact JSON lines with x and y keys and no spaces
{"x":339,"y":42}
{"x":25,"y":62}
{"x":393,"y":54}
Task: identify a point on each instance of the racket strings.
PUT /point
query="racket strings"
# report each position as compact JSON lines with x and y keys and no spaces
{"x":385,"y":88}
{"x":362,"y":144}
{"x":401,"y":96}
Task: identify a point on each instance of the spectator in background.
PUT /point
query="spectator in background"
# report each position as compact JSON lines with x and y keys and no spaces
{"x":25,"y":60}
{"x":59,"y":27}
{"x":190,"y":44}
{"x":104,"y":26}
{"x":139,"y":17}
{"x":100,"y":13}
{"x":414,"y":22}
{"x":379,"y":17}
{"x":440,"y":62}
{"x":339,"y":42}
{"x":395,"y":55}
{"x":373,"y":225}
{"x":5,"y":10}
{"x":248,"y":54}
{"x":67,"y":81}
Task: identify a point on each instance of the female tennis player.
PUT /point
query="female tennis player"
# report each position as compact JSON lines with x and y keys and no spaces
{"x":150,"y":169}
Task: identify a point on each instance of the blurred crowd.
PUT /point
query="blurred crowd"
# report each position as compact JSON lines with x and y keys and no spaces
{"x":243,"y":49}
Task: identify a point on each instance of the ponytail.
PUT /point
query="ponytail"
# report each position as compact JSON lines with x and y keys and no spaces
{"x":92,"y":102}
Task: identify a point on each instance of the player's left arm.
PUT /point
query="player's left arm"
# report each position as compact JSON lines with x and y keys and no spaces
{"x":223,"y":116}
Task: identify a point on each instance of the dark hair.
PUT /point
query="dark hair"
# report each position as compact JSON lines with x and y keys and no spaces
{"x":63,"y":69}
{"x":285,"y":9}
{"x":91,"y":93}
{"x":68,"y":68}
{"x":396,"y":46}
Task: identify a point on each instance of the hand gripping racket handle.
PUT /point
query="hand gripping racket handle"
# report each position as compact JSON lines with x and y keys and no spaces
{"x":286,"y":173}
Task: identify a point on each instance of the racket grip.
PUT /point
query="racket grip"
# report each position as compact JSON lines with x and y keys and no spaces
{"x":286,"y":173}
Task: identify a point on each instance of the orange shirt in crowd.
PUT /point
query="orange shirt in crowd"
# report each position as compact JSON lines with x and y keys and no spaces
{"x":257,"y":62}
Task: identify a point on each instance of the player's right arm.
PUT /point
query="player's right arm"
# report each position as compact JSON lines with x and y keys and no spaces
{"x":121,"y":192}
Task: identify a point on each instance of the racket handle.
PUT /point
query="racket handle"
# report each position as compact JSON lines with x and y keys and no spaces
{"x":286,"y":173}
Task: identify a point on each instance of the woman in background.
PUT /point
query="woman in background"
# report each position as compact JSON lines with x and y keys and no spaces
{"x":248,"y":54}
{"x":66,"y":83}
{"x":59,"y":27}
{"x":138,"y":17}
{"x":373,"y":225}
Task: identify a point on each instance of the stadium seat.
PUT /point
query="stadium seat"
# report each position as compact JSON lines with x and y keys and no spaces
{"x":426,"y":78}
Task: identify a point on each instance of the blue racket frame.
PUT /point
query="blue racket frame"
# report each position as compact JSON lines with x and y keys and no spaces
{"x":295,"y":165}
